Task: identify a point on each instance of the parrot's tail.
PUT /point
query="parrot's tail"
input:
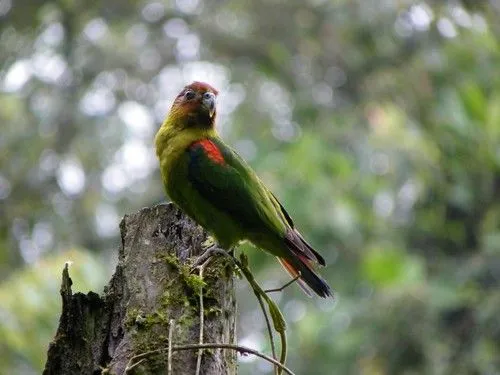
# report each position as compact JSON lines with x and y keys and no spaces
{"x":308,"y":281}
{"x":301,"y":263}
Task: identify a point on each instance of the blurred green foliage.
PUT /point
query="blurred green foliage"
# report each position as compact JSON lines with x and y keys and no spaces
{"x":376,"y":123}
{"x":29,"y":303}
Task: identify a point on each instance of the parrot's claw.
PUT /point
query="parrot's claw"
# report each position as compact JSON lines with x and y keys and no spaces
{"x":207,"y":255}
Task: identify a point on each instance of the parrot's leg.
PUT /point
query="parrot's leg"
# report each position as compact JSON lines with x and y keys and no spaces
{"x":208,"y":254}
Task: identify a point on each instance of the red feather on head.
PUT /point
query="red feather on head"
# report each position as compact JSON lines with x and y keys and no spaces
{"x":198,"y":86}
{"x":188,"y":107}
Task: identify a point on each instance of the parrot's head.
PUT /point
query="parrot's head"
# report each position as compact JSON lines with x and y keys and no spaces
{"x":195,"y":105}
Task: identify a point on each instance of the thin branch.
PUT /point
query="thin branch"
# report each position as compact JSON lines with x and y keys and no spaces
{"x":129,"y":367}
{"x":202,"y":322}
{"x":284,"y":348}
{"x":238,"y":348}
{"x":269,"y":329}
{"x":280,"y":289}
{"x":279,"y":323}
{"x":170,"y":339}
{"x":260,"y":294}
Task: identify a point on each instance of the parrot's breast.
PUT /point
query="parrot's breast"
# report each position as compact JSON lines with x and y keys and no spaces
{"x":175,"y":175}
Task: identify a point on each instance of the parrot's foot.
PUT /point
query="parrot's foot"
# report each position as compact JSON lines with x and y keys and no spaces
{"x":207,"y":255}
{"x":281,"y":288}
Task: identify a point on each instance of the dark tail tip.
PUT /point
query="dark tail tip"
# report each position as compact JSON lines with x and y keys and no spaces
{"x":309,"y":280}
{"x":316,"y":283}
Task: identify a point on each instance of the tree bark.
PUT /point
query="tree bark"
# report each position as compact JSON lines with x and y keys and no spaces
{"x":152,"y":294}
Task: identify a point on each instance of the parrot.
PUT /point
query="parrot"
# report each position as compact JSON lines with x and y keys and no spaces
{"x":214,"y":186}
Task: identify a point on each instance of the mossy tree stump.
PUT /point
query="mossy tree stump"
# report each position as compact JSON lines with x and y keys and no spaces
{"x":152,"y":294}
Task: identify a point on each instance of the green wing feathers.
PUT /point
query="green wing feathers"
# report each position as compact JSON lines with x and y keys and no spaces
{"x":223,"y":179}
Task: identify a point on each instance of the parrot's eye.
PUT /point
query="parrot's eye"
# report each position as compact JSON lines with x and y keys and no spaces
{"x":189,"y":95}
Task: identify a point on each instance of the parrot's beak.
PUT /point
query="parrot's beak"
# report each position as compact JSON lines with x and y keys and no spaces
{"x":208,"y":102}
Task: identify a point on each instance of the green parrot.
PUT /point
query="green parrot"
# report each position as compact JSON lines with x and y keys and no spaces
{"x":218,"y":189}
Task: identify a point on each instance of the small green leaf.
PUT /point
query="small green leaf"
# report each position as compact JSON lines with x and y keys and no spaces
{"x":276,"y":315}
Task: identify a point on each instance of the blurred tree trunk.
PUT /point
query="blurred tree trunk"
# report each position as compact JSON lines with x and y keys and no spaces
{"x":151,"y":295}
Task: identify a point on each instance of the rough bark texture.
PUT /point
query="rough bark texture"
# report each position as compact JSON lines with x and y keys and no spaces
{"x":151,"y":286}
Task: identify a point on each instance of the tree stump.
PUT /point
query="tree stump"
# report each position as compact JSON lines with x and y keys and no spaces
{"x":151,"y":295}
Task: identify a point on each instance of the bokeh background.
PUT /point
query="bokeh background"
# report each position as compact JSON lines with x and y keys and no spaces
{"x":376,"y":123}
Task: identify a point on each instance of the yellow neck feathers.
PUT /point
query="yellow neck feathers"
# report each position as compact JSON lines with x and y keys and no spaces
{"x":173,"y":138}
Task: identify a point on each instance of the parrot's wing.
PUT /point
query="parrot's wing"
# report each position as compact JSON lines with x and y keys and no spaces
{"x":224,"y":179}
{"x":221,"y":177}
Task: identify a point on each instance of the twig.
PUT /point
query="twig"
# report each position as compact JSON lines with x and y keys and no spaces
{"x":129,"y":368}
{"x":268,"y":324}
{"x":202,"y":322}
{"x":171,"y":325}
{"x":238,"y":348}
{"x":277,"y":321}
{"x":141,"y":357}
{"x":241,"y":349}
{"x":284,"y":286}
{"x":284,"y":344}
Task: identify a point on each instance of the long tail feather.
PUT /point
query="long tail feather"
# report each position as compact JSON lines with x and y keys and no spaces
{"x":295,"y":242}
{"x":301,"y":262}
{"x":309,"y":280}
{"x":294,"y":273}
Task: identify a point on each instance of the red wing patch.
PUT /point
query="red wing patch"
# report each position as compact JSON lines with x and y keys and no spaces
{"x":211,"y":150}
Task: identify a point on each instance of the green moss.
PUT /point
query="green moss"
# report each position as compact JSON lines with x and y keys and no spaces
{"x":134,"y":317}
{"x":191,"y":280}
{"x":194,"y":282}
{"x":158,"y":317}
{"x":130,"y":317}
{"x":174,"y":295}
{"x":171,"y":259}
{"x":181,"y":294}
{"x":213,"y":311}
{"x":186,"y":321}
